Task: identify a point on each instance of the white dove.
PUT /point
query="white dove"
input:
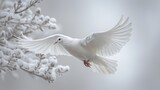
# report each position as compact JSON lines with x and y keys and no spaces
{"x":91,"y":49}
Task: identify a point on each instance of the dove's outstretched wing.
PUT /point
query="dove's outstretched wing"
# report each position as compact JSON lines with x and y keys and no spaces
{"x":44,"y":45}
{"x":109,"y":42}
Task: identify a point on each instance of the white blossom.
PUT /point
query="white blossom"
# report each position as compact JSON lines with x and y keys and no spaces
{"x":38,"y":11}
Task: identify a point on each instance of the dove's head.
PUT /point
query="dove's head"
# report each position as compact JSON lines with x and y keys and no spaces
{"x":63,"y":40}
{"x":59,"y":40}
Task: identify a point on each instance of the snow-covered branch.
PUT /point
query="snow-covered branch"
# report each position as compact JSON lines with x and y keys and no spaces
{"x":20,"y":7}
{"x":17,"y":20}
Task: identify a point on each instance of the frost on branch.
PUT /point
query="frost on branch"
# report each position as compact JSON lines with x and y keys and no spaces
{"x":17,"y":20}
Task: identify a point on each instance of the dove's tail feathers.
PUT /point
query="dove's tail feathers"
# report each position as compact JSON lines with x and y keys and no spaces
{"x":104,"y":65}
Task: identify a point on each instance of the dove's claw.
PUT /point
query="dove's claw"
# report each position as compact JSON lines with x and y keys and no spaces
{"x":86,"y":63}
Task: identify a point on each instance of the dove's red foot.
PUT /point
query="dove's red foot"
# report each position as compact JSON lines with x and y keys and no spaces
{"x":86,"y":63}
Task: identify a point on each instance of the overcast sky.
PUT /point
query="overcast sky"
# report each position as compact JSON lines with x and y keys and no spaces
{"x":138,"y":61}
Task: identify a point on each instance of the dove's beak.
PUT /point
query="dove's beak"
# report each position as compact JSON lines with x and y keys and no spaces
{"x":55,"y":42}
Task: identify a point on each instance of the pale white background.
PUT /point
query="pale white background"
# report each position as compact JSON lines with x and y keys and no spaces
{"x":138,"y":61}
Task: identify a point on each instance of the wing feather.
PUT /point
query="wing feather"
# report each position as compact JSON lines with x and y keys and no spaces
{"x":110,"y":42}
{"x":44,"y":45}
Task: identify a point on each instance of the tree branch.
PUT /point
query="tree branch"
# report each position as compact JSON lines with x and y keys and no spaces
{"x":32,"y":3}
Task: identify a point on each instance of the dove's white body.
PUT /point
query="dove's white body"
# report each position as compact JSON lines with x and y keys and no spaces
{"x":93,"y":47}
{"x":76,"y":49}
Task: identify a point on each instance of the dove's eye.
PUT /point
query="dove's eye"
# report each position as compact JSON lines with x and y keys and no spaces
{"x":59,"y":39}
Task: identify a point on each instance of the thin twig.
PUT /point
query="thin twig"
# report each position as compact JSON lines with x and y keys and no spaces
{"x":31,"y":4}
{"x":41,"y":76}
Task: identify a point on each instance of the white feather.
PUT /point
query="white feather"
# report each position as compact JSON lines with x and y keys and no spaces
{"x":109,"y":42}
{"x":103,"y":65}
{"x":44,"y":45}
